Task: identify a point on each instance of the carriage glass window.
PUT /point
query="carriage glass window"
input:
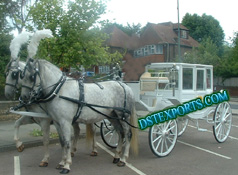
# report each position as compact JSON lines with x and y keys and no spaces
{"x":164,"y":78}
{"x":200,"y":80}
{"x":208,"y":79}
{"x":187,"y":78}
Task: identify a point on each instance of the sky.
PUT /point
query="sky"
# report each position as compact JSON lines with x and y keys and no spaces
{"x":158,"y":11}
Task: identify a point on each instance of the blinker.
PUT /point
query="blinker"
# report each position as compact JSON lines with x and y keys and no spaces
{"x":14,"y":75}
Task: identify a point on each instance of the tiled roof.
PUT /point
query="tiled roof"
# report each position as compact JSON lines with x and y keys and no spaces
{"x":165,"y":33}
{"x":153,"y":34}
{"x":120,"y":39}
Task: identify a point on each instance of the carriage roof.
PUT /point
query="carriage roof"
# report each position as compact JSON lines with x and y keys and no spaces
{"x":169,"y":65}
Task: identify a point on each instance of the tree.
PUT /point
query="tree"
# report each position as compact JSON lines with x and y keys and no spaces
{"x":229,"y":64}
{"x":206,"y":53}
{"x":76,"y":40}
{"x":18,"y":12}
{"x":4,"y":58}
{"x":130,"y":29}
{"x":203,"y":27}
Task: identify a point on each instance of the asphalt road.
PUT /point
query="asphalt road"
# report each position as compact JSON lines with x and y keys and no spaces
{"x":195,"y":153}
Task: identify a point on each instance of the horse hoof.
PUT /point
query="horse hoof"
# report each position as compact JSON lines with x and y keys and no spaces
{"x":116,"y":160}
{"x":72,"y":154}
{"x":20,"y":148}
{"x":43,"y":164}
{"x":93,"y":154}
{"x":64,"y":171}
{"x":121,"y":164}
{"x":59,"y":167}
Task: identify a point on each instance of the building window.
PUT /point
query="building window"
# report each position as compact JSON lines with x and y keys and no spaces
{"x":104,"y":69}
{"x":139,"y":52}
{"x":152,"y":49}
{"x":159,"y":49}
{"x":146,"y":50}
{"x":184,"y":34}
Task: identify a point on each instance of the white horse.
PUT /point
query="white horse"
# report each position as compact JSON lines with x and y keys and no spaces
{"x":13,"y":83}
{"x":115,"y":102}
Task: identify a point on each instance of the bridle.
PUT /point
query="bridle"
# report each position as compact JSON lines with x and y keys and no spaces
{"x":15,"y":75}
{"x":32,"y":77}
{"x":37,"y":96}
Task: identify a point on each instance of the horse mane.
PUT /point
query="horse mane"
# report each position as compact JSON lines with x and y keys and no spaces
{"x":49,"y":65}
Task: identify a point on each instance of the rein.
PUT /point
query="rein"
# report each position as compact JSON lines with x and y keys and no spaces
{"x":81,"y":103}
{"x":15,"y":75}
{"x":38,"y":96}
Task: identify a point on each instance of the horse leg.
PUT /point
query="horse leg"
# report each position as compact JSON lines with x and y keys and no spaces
{"x":94,"y":145}
{"x":116,"y":158}
{"x":66,"y":133}
{"x":21,"y":121}
{"x":45,"y":127}
{"x":75,"y":138}
{"x":120,"y":133}
{"x":62,"y":162}
{"x":125,"y":153}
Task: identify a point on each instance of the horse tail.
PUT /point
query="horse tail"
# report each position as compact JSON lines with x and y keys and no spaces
{"x":89,"y":134}
{"x":134,"y":139}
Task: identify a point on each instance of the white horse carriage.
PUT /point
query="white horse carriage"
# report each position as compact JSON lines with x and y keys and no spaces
{"x":166,"y":85}
{"x":67,"y":101}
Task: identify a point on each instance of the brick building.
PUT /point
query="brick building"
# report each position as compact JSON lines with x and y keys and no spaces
{"x":157,"y":43}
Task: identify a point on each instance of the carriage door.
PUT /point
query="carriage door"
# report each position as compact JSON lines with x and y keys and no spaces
{"x":200,"y":82}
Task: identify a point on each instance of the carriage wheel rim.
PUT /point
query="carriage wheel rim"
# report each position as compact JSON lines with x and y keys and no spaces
{"x":109,"y":135}
{"x":163,"y":138}
{"x":222,"y":122}
{"x":182,"y":125}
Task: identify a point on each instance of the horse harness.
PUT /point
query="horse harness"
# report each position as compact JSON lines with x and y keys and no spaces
{"x":81,"y":103}
{"x":38,"y":97}
{"x":15,"y":74}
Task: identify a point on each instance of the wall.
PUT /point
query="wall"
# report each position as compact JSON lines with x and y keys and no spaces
{"x":4,"y":110}
{"x":231,"y":85}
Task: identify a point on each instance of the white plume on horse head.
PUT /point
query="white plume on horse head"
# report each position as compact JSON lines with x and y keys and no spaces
{"x":35,"y":40}
{"x":17,"y":42}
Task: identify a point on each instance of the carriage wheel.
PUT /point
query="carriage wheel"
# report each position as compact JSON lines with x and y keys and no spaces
{"x":163,"y":137}
{"x":182,"y":123}
{"x":109,"y":134}
{"x":222,"y":122}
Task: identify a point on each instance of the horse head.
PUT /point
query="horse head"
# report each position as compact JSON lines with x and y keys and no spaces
{"x":29,"y":74}
{"x":14,"y":67}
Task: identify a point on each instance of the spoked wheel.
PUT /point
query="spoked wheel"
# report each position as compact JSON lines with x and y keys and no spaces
{"x":222,"y":122}
{"x":109,"y":134}
{"x":163,"y":137}
{"x":182,"y":123}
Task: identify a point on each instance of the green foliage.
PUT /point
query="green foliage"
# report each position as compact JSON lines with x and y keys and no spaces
{"x":38,"y":133}
{"x":203,"y":27}
{"x":46,"y":14}
{"x":76,"y":40}
{"x":129,"y":29}
{"x":18,"y":12}
{"x":4,"y":58}
{"x":206,"y":53}
{"x":229,"y":64}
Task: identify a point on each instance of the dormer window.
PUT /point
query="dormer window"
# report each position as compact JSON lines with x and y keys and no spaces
{"x":184,"y":34}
